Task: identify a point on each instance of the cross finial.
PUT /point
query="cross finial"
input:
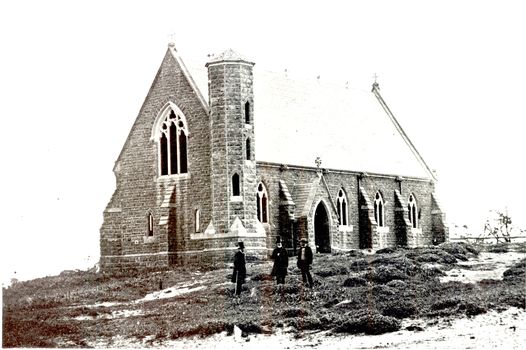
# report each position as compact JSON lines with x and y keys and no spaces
{"x":375,"y":76}
{"x":171,"y":38}
{"x":318,"y":162}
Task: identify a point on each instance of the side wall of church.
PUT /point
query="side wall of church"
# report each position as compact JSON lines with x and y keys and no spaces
{"x":172,"y":200}
{"x":348,"y":236}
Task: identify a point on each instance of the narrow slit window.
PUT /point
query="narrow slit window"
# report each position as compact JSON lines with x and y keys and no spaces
{"x":235,"y":185}
{"x":150,"y":225}
{"x":341,"y":206}
{"x":248,"y":149}
{"x":247,"y":112}
{"x":197,"y":220}
{"x":412,"y":211}
{"x":379,"y":209}
{"x":262,"y":203}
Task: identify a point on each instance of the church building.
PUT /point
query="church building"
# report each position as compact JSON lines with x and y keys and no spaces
{"x":226,"y":153}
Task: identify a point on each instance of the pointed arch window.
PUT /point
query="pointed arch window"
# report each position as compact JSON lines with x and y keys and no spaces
{"x":247,"y":112}
{"x":262,"y":203}
{"x":235,"y":185}
{"x":379,"y":213}
{"x":149,"y":233}
{"x":341,"y":206}
{"x":173,"y":145}
{"x":412,"y":211}
{"x":249,"y":155}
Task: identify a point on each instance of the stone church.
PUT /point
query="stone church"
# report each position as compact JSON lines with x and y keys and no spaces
{"x":225,"y":153}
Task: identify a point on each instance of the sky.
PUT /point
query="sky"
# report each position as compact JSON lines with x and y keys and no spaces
{"x":73,"y":76}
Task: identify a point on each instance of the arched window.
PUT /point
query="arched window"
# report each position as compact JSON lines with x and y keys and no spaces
{"x":235,"y":185}
{"x":247,"y":112}
{"x":412,"y":209}
{"x":248,"y":149}
{"x":341,"y":206}
{"x":197,"y":220}
{"x":262,"y":203}
{"x":172,"y":145}
{"x":149,"y":233}
{"x":379,"y":209}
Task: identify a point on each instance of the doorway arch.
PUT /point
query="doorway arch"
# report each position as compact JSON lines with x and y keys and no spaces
{"x":322,"y":237}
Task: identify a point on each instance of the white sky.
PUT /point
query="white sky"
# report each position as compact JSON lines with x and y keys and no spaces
{"x":73,"y":76}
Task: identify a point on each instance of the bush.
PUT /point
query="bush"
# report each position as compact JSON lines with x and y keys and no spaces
{"x":387,"y":250}
{"x":341,"y":270}
{"x":398,"y":284}
{"x":499,"y":248}
{"x":400,"y":309}
{"x":294,"y":312}
{"x":445,"y":303}
{"x":517,"y":271}
{"x":261,"y":277}
{"x":286,"y":289}
{"x":369,"y":324}
{"x":354,"y":282}
{"x":472,"y":309}
{"x":384,"y":274}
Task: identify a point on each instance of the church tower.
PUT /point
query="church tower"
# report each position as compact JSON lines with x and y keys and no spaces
{"x":233,"y":165}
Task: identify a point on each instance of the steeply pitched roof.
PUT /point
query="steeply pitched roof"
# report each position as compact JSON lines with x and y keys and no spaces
{"x":298,"y":119}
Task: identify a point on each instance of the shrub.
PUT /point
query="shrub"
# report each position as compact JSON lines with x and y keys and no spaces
{"x":369,"y":324}
{"x":294,"y":312}
{"x":354,"y":282}
{"x":400,"y":309}
{"x":472,"y":309}
{"x":516,"y":271}
{"x":398,"y":284}
{"x":334,"y":271}
{"x":286,"y":289}
{"x":261,"y":277}
{"x":384,"y":274}
{"x":387,"y":250}
{"x":445,"y":303}
{"x":499,"y":248}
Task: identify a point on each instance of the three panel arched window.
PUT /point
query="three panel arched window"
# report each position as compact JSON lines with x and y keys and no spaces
{"x":379,"y":214}
{"x":262,"y":203}
{"x":173,"y":145}
{"x":412,"y":211}
{"x":341,"y":206}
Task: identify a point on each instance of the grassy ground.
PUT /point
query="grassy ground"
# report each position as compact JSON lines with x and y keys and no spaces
{"x":353,"y":293}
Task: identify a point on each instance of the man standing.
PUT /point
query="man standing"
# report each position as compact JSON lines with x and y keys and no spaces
{"x":281,"y":262}
{"x":304,"y":262}
{"x":240,"y":271}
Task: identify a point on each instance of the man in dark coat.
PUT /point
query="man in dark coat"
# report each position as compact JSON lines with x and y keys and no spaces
{"x":240,"y":271}
{"x":281,"y":262}
{"x":304,"y":262}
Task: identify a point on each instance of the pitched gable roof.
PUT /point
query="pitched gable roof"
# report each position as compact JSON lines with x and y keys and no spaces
{"x":298,"y":119}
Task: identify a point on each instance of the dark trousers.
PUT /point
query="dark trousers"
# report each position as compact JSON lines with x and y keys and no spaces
{"x":306,"y":276}
{"x":280,"y":279}
{"x":239,"y":284}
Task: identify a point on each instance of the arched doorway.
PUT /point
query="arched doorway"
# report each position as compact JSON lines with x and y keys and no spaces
{"x":321,"y":230}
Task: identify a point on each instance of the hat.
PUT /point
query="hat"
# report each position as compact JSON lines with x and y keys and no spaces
{"x":278,"y":239}
{"x":241,"y":245}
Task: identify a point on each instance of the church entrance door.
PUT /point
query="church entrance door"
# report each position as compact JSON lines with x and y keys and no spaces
{"x":321,"y":230}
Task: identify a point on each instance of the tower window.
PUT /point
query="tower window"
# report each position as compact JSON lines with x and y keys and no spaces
{"x":341,"y":206}
{"x":248,"y":149}
{"x":412,"y":211}
{"x":379,"y":209}
{"x":172,"y":145}
{"x":247,"y":112}
{"x":235,"y":185}
{"x":150,"y":225}
{"x":262,"y":203}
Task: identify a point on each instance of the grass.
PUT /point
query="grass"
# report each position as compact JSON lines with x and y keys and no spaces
{"x":353,"y":293}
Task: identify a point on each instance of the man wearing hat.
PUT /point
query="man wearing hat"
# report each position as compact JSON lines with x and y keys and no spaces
{"x":304,"y":261}
{"x":240,"y":271}
{"x":281,"y":262}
